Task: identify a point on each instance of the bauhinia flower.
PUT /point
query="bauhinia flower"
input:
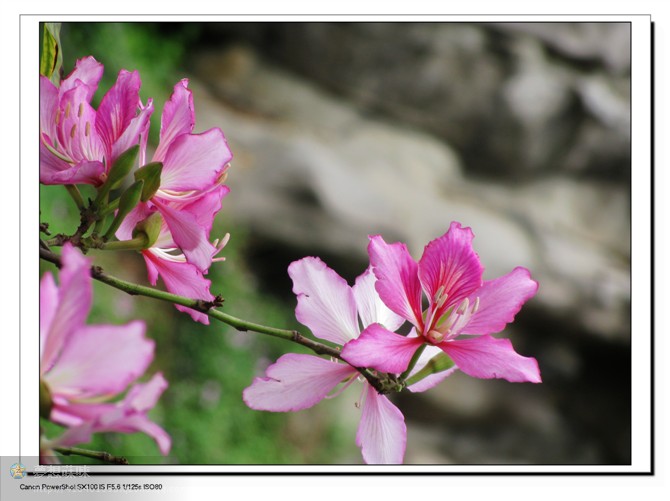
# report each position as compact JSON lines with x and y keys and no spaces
{"x":79,"y":144}
{"x":192,"y":177}
{"x":164,"y":258}
{"x":83,"y":366}
{"x":449,"y":273}
{"x":332,"y":310}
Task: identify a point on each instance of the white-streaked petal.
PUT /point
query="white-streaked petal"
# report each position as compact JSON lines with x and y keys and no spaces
{"x":382,"y":434}
{"x":326,"y":303}
{"x":295,"y":382}
{"x":371,"y":309}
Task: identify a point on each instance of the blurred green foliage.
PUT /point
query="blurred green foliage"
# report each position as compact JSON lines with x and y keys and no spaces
{"x":207,"y":366}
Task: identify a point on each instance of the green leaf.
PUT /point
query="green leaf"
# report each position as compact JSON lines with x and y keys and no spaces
{"x":51,"y":60}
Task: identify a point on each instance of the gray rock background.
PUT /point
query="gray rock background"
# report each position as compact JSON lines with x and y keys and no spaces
{"x":520,"y":130}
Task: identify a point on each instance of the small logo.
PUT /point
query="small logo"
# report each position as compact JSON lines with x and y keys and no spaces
{"x":17,"y":470}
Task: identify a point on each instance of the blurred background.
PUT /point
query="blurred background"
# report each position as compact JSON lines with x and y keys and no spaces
{"x":339,"y":130}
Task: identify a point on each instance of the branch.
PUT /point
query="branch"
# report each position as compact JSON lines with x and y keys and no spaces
{"x":383,"y":383}
{"x":100,"y":455}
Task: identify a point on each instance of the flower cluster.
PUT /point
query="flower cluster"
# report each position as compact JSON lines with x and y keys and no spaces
{"x":181,"y":187}
{"x":83,"y":367}
{"x":391,"y":291}
{"x":404,"y":324}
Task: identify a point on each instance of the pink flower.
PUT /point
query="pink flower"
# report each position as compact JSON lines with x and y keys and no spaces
{"x":127,"y":416}
{"x":332,"y":309}
{"x":79,"y":144}
{"x":191,"y":187}
{"x":84,"y":365}
{"x":459,"y":302}
{"x":164,"y":258}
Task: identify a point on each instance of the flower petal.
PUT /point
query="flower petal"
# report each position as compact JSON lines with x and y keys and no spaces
{"x":136,"y":132}
{"x":48,"y":107}
{"x":499,"y":301}
{"x":371,"y":308}
{"x":118,"y":108}
{"x":380,"y":349}
{"x":450,"y":266}
{"x":178,"y":118}
{"x":87,"y":71}
{"x":397,"y":280}
{"x":195,"y":161}
{"x":295,"y":382}
{"x":48,"y":306}
{"x":486,"y":357}
{"x":191,"y":237}
{"x":77,"y":128}
{"x":101,"y":361}
{"x":53,"y":170}
{"x":382,"y":434}
{"x":127,"y":416}
{"x":325,"y":301}
{"x":180,"y":278}
{"x":74,"y":303}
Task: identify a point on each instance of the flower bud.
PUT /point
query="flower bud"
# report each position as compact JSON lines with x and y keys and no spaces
{"x":127,"y":202}
{"x":122,"y":166}
{"x":149,"y":227}
{"x":151,"y":175}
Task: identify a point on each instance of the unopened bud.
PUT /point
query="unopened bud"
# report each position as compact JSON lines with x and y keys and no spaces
{"x":149,"y":227}
{"x":127,"y":202}
{"x":151,"y":175}
{"x":123,"y":165}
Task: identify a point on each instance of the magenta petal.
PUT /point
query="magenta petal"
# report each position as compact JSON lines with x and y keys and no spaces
{"x":48,"y":306}
{"x":499,"y":301}
{"x":325,"y":301}
{"x":371,"y":308}
{"x":55,"y":171}
{"x":378,"y":348}
{"x":397,"y":280}
{"x":190,"y":236}
{"x":48,"y":107}
{"x":295,"y":382}
{"x":449,"y":265}
{"x":139,"y":213}
{"x":178,"y":118}
{"x":382,"y":434}
{"x":205,"y":207}
{"x":180,"y":278}
{"x":74,"y":303}
{"x":486,"y":357}
{"x":87,"y":71}
{"x":136,"y":132}
{"x":101,"y":361}
{"x":77,"y":129}
{"x":195,"y":161}
{"x":118,"y":107}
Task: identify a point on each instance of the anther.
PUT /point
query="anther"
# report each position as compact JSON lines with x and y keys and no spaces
{"x":475,"y":308}
{"x":87,"y":132}
{"x":67,"y":111}
{"x":58,"y":114}
{"x":442,"y":300}
{"x":463,"y":306}
{"x":81,"y":110}
{"x":73,"y":130}
{"x":438,"y":294}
